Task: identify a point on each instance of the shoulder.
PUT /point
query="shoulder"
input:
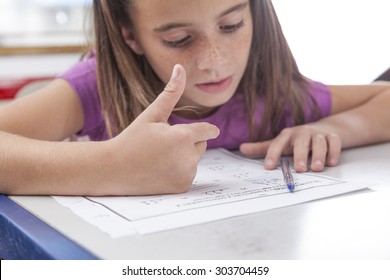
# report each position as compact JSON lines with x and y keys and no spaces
{"x":85,"y":69}
{"x":82,"y":78}
{"x":322,"y":96}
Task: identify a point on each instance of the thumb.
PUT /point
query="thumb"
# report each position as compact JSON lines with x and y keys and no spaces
{"x":161,"y":108}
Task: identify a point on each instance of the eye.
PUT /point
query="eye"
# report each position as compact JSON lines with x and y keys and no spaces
{"x":232,"y":27}
{"x":177,"y":43}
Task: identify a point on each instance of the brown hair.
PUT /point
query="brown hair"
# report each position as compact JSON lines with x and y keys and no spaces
{"x":127,"y":84}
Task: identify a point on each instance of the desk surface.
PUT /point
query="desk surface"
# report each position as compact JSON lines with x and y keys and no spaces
{"x":351,"y":226}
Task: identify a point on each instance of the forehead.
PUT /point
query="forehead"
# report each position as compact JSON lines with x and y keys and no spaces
{"x":155,"y":11}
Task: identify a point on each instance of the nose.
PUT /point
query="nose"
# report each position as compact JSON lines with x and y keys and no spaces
{"x":210,"y":55}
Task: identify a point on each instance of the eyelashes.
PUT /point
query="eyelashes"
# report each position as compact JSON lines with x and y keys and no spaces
{"x":227,"y":29}
{"x":233,"y":27}
{"x":177,"y":43}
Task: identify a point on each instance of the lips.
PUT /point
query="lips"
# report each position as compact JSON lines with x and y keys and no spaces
{"x":217,"y":86}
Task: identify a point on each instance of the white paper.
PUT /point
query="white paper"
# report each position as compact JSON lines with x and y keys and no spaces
{"x":226,"y":185}
{"x":98,"y":215}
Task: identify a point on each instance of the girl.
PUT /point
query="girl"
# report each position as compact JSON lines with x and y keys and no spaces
{"x":233,"y":74}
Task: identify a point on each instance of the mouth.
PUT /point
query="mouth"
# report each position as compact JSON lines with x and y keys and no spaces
{"x":216,"y":86}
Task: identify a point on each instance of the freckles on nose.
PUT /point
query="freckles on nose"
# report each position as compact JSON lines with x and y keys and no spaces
{"x":210,"y":56}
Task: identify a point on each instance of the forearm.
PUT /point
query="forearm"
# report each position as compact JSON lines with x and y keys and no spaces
{"x":32,"y":167}
{"x":148,"y":157}
{"x":363,"y":125}
{"x":367,"y":122}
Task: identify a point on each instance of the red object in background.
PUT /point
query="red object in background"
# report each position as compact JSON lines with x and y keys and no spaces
{"x":10,"y":87}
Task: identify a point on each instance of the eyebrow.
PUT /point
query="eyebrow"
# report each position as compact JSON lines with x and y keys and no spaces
{"x":235,"y":8}
{"x":166,"y":27}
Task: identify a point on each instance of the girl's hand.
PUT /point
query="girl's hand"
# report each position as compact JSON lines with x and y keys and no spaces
{"x":299,"y":141}
{"x":152,"y":157}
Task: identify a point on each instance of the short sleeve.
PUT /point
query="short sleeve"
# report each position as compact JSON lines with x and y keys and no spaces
{"x":321,"y":94}
{"x":317,"y":105}
{"x":82,"y":78}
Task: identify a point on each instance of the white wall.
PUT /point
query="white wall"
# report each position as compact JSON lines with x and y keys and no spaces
{"x":338,"y":41}
{"x":334,"y":41}
{"x":27,"y":66}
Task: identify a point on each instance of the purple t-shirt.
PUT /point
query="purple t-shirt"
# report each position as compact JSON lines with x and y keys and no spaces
{"x":231,"y":118}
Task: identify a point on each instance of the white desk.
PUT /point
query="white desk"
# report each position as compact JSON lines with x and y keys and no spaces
{"x":352,"y":226}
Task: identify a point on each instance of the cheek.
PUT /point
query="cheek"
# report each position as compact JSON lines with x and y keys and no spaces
{"x":244,"y":43}
{"x":161,"y":64}
{"x":240,"y":53}
{"x":162,"y":61}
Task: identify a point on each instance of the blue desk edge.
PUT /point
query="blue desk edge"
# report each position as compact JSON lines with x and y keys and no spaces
{"x":25,"y":236}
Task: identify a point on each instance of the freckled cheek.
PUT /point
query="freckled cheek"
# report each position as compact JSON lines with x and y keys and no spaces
{"x":163,"y":64}
{"x":185,"y":58}
{"x":244,"y":42}
{"x":241,"y":49}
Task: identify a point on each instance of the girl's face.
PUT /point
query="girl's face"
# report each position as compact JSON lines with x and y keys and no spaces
{"x":210,"y":38}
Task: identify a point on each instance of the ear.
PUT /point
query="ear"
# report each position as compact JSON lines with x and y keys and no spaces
{"x":128,"y":36}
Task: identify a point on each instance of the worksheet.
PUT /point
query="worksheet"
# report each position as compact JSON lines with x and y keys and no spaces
{"x":226,"y":185}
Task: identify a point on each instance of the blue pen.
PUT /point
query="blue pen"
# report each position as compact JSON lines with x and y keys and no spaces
{"x":286,"y":169}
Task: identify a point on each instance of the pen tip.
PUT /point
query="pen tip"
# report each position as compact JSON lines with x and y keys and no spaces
{"x":291,"y":187}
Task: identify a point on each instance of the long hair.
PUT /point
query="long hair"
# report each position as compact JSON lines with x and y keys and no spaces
{"x":127,"y":84}
{"x":272,"y":73}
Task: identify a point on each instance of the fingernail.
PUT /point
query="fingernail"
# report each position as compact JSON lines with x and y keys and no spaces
{"x":333,"y":161}
{"x":175,"y":72}
{"x":269,"y":162}
{"x":302,"y":166}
